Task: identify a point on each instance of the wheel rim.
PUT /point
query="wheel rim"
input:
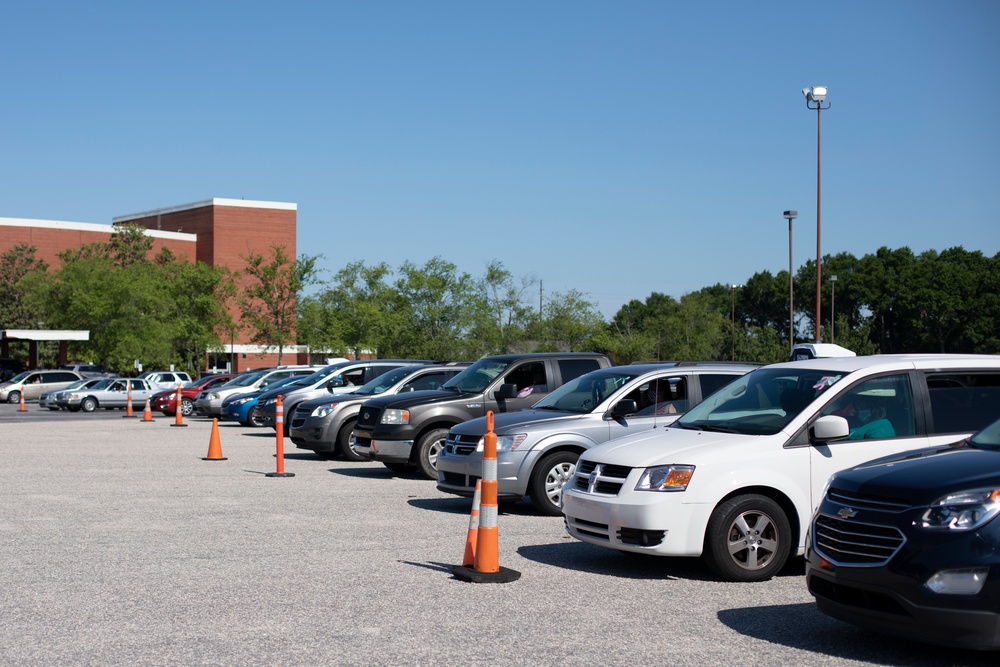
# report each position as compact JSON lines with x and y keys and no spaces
{"x":556,"y":479}
{"x":753,"y":540}
{"x":434,"y":451}
{"x":187,"y":407}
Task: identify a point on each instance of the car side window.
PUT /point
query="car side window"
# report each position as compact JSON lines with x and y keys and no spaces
{"x":425,"y":381}
{"x":963,"y":402}
{"x":876,"y":408}
{"x":713,"y":382}
{"x":529,"y":378}
{"x":571,"y":369}
{"x":662,"y":396}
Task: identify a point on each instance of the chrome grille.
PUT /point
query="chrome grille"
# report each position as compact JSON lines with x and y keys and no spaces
{"x":854,"y":543}
{"x":462,"y":445}
{"x":607,"y":479}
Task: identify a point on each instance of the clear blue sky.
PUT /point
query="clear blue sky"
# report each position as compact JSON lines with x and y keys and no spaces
{"x":616,"y":148}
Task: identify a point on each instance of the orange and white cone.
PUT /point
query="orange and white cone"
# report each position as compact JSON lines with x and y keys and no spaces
{"x":128,"y":402}
{"x":469,"y":559}
{"x":486,"y":569}
{"x":178,"y":412}
{"x":214,"y":445}
{"x":147,"y":414}
{"x":22,"y":408}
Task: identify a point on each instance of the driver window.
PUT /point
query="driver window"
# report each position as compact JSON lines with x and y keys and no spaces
{"x":876,"y":409}
{"x":662,"y":396}
{"x":529,"y":379}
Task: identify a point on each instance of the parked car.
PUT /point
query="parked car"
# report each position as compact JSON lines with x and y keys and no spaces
{"x":240,"y":407}
{"x":109,"y":393}
{"x":88,"y":370}
{"x":340,"y":378}
{"x":48,"y":399}
{"x":407,"y":431}
{"x":324,"y":425}
{"x":35,"y":383}
{"x":166,"y":401}
{"x":537,"y":448}
{"x":166,"y":379}
{"x":735,"y":480}
{"x":209,"y":402}
{"x":907,"y":545}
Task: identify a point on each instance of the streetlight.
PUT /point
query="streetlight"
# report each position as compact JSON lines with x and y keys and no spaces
{"x":790,"y":215}
{"x":732,"y":292}
{"x":833,"y":289}
{"x":817,"y":95}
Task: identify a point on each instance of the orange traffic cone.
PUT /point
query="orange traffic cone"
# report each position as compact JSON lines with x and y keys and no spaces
{"x":470,"y":542}
{"x":22,"y":408}
{"x":178,"y":413}
{"x":486,"y":559}
{"x":147,"y":414}
{"x":214,"y":444}
{"x":128,"y":402}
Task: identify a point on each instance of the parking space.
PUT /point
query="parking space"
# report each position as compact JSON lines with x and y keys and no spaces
{"x":122,"y":546}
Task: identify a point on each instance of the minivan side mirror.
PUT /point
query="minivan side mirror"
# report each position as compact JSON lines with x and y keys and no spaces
{"x":623,"y":408}
{"x":505,"y":391}
{"x":830,"y":427}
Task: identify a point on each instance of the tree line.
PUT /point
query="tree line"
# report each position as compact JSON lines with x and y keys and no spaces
{"x":166,"y":310}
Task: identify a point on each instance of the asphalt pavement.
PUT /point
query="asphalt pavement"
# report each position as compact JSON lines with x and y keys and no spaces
{"x":120,"y":545}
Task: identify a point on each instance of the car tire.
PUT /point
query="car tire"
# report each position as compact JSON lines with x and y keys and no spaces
{"x":547,"y":480}
{"x":748,"y":539}
{"x":54,"y":409}
{"x":398,"y":468}
{"x":14,"y":397}
{"x":344,"y":443}
{"x":253,"y":419}
{"x":429,"y":447}
{"x":187,"y":407}
{"x":89,"y":404}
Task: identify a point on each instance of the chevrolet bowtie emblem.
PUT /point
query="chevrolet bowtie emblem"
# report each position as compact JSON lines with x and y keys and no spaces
{"x":847,"y":513}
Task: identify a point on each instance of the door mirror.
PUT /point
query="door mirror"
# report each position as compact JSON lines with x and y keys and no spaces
{"x":830,"y":427}
{"x":505,"y":391}
{"x":623,"y":408}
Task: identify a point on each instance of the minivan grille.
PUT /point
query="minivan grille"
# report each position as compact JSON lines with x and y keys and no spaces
{"x":608,"y":479}
{"x":853,"y":543}
{"x":462,"y":445}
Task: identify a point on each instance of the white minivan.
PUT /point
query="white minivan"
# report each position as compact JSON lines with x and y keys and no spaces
{"x":736,"y":479}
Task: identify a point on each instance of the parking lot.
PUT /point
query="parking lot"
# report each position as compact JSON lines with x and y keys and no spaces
{"x":122,"y":546}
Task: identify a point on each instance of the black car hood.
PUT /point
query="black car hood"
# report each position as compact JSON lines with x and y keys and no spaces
{"x":411,"y":398}
{"x":924,"y":475}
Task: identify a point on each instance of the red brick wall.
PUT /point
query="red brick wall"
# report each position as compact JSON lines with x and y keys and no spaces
{"x":49,"y":242}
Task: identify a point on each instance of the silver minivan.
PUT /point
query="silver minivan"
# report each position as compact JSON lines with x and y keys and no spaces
{"x":35,"y":383}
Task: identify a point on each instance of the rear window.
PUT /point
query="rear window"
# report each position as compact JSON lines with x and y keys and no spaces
{"x":570,"y":369}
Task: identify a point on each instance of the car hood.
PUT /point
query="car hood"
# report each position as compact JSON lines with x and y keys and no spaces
{"x":668,"y":445}
{"x":333,"y":399}
{"x":412,"y":398}
{"x":506,"y":422}
{"x":924,"y":475}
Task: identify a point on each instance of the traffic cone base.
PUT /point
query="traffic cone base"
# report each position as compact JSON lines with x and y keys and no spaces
{"x":503,"y":576}
{"x":214,"y":444}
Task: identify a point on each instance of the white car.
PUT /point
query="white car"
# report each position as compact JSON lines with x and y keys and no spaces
{"x":736,"y":479}
{"x":49,"y":398}
{"x":109,"y":394}
{"x":166,"y":379}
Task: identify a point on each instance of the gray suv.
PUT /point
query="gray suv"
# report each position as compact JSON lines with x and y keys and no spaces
{"x":324,"y":424}
{"x":537,"y":449}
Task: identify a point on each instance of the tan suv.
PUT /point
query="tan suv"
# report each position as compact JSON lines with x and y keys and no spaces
{"x":35,"y":383}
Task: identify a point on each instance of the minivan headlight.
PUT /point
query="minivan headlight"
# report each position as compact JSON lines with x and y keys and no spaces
{"x":505,"y":443}
{"x":395,"y":417}
{"x":962,"y":510}
{"x":323,"y":410}
{"x":665,"y":478}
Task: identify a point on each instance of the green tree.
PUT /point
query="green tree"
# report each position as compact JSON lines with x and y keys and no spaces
{"x":270,"y":286}
{"x":569,"y":321}
{"x":15,"y":309}
{"x":437,"y":303}
{"x":502,"y":314}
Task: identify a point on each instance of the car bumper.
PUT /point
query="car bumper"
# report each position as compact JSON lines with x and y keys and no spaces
{"x":458,"y":474}
{"x":387,"y":451}
{"x":644,"y":522}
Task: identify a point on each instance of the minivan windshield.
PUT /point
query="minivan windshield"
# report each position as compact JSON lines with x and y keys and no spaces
{"x":383,"y":382}
{"x":477,"y":377}
{"x":245,"y":380}
{"x":761,"y":402}
{"x":588,"y":391}
{"x":988,"y":438}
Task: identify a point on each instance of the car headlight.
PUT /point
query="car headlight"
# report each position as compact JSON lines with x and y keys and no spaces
{"x":266,"y":402}
{"x":395,"y":417}
{"x":505,"y":443}
{"x":243,"y":401}
{"x":323,"y":410}
{"x":214,"y":396}
{"x":962,"y":510}
{"x":665,"y":478}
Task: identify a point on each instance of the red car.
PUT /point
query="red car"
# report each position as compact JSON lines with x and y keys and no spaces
{"x":166,"y":401}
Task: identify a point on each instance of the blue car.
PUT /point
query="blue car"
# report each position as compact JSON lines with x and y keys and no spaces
{"x":240,"y":407}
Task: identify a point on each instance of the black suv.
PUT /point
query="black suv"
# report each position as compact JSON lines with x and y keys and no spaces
{"x":907,"y":545}
{"x":408,"y":431}
{"x":9,"y":368}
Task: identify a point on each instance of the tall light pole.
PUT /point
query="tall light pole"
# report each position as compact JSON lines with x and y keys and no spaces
{"x":732,"y":292}
{"x":790,"y":215}
{"x":815,"y":96}
{"x":833,"y":291}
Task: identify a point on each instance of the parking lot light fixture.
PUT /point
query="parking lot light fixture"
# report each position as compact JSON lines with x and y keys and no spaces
{"x":815,"y":97}
{"x":790,"y":215}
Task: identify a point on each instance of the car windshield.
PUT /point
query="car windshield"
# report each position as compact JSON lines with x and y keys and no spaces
{"x":245,"y":380}
{"x":79,"y":384}
{"x":588,"y":391}
{"x":383,"y":382}
{"x":20,"y":376}
{"x":988,"y":438}
{"x":478,"y":376}
{"x":761,"y":402}
{"x":322,"y":374}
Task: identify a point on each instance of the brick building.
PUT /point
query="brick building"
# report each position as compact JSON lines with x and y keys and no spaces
{"x":217,"y":232}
